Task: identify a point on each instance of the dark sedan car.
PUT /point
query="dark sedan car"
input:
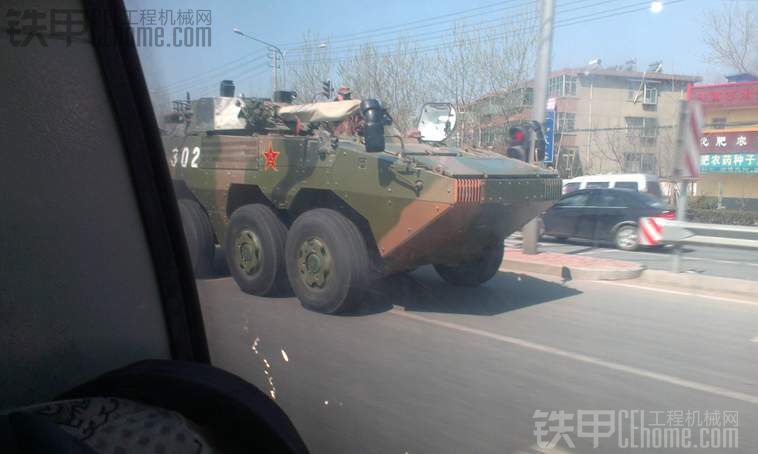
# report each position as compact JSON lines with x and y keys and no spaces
{"x":602,"y":215}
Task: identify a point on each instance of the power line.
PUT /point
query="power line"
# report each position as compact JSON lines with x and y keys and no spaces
{"x":429,"y":23}
{"x":418,"y":21}
{"x":477,"y":27}
{"x":576,"y":20}
{"x":499,"y":23}
{"x":222,"y":69}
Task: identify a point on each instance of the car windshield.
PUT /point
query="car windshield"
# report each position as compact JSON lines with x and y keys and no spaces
{"x":430,"y":292}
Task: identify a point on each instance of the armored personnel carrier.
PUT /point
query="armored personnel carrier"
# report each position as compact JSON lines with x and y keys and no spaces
{"x":325,"y":198}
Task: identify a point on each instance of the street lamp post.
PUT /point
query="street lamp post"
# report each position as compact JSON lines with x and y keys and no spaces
{"x":274,"y":51}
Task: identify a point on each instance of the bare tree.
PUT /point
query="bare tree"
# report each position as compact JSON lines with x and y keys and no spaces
{"x":611,"y":145}
{"x":731,"y":35}
{"x":398,"y":78}
{"x":620,"y":148}
{"x":472,"y":62}
{"x":478,"y":61}
{"x":313,"y":66}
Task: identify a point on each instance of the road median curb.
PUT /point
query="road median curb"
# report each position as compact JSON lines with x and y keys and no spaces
{"x":570,"y":266}
{"x":692,"y":281}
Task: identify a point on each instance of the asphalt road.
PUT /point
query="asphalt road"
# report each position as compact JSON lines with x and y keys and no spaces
{"x":430,"y":368}
{"x":712,"y":261}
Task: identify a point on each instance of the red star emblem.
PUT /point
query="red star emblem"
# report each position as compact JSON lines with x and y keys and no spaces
{"x":270,"y":157}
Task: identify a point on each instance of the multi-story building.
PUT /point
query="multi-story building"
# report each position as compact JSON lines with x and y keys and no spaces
{"x":729,"y":146}
{"x":608,"y":120}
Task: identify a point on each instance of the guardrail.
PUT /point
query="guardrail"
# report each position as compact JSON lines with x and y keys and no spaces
{"x":692,"y":233}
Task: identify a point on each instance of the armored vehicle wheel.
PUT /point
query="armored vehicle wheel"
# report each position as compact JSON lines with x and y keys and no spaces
{"x":473,"y":273}
{"x":254,"y":248}
{"x":327,"y":261}
{"x":199,"y":235}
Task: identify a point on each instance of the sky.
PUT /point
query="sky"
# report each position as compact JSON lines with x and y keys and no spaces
{"x":673,"y":35}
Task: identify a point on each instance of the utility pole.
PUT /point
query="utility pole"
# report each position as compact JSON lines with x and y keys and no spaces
{"x":274,"y":77}
{"x":681,"y":199}
{"x":531,"y":230}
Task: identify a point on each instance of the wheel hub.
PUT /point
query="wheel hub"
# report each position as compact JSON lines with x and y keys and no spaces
{"x":314,"y":262}
{"x":247,"y":248}
{"x":627,"y":238}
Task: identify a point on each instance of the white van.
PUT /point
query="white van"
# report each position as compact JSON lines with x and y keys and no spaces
{"x":632,"y":181}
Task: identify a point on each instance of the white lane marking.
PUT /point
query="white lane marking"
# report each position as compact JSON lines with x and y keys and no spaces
{"x":684,"y":383}
{"x":684,"y":257}
{"x":678,"y":292}
{"x":755,"y":339}
{"x":284,"y":355}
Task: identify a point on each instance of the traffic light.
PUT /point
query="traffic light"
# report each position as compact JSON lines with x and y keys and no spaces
{"x":518,"y":143}
{"x":520,"y":139}
{"x":326,"y":89}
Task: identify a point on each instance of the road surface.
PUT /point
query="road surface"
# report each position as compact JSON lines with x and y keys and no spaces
{"x":430,"y":368}
{"x":712,"y":261}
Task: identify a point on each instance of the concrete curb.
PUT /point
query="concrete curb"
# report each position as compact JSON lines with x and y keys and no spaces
{"x":571,"y":271}
{"x":691,"y":281}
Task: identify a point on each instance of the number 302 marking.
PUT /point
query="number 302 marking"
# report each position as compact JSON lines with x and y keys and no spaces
{"x":183,"y":158}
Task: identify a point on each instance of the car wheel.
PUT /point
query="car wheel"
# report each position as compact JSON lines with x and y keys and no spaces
{"x":254,"y":249}
{"x":199,"y":236}
{"x":626,"y":238}
{"x":327,"y":261}
{"x":476,"y":272}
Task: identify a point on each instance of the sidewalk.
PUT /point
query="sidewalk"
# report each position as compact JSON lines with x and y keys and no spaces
{"x":570,"y":266}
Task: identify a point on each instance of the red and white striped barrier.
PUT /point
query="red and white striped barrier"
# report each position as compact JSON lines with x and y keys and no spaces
{"x":650,"y":231}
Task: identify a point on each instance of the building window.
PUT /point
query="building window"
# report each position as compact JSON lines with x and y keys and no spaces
{"x":633,"y":87}
{"x":651,"y":94}
{"x":719,"y":123}
{"x":648,"y":163}
{"x":554,"y":87}
{"x":642,"y":130}
{"x":561,"y":86}
{"x":569,"y":164}
{"x":647,"y":92}
{"x":569,"y":85}
{"x":566,"y":122}
{"x":633,"y":126}
{"x":640,"y":163}
{"x":528,"y":98}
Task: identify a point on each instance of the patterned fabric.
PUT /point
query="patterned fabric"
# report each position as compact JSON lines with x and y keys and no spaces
{"x":119,"y":426}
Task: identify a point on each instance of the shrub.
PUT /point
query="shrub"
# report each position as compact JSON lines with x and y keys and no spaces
{"x":703,"y":202}
{"x":727,"y":217}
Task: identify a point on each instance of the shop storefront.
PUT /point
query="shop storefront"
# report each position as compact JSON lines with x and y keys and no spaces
{"x":729,"y":146}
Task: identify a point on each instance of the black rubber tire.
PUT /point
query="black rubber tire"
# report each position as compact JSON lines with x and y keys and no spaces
{"x":271,"y":277}
{"x":199,"y":234}
{"x":351,"y":277}
{"x":474,"y":273}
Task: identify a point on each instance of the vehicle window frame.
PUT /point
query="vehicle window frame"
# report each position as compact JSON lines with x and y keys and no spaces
{"x":627,"y":185}
{"x":574,"y":195}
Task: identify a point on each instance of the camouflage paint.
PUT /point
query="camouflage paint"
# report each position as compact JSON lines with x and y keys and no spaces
{"x":433,"y":204}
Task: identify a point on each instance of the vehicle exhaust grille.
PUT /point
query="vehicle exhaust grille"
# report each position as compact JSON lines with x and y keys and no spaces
{"x":553,"y":189}
{"x":469,"y":190}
